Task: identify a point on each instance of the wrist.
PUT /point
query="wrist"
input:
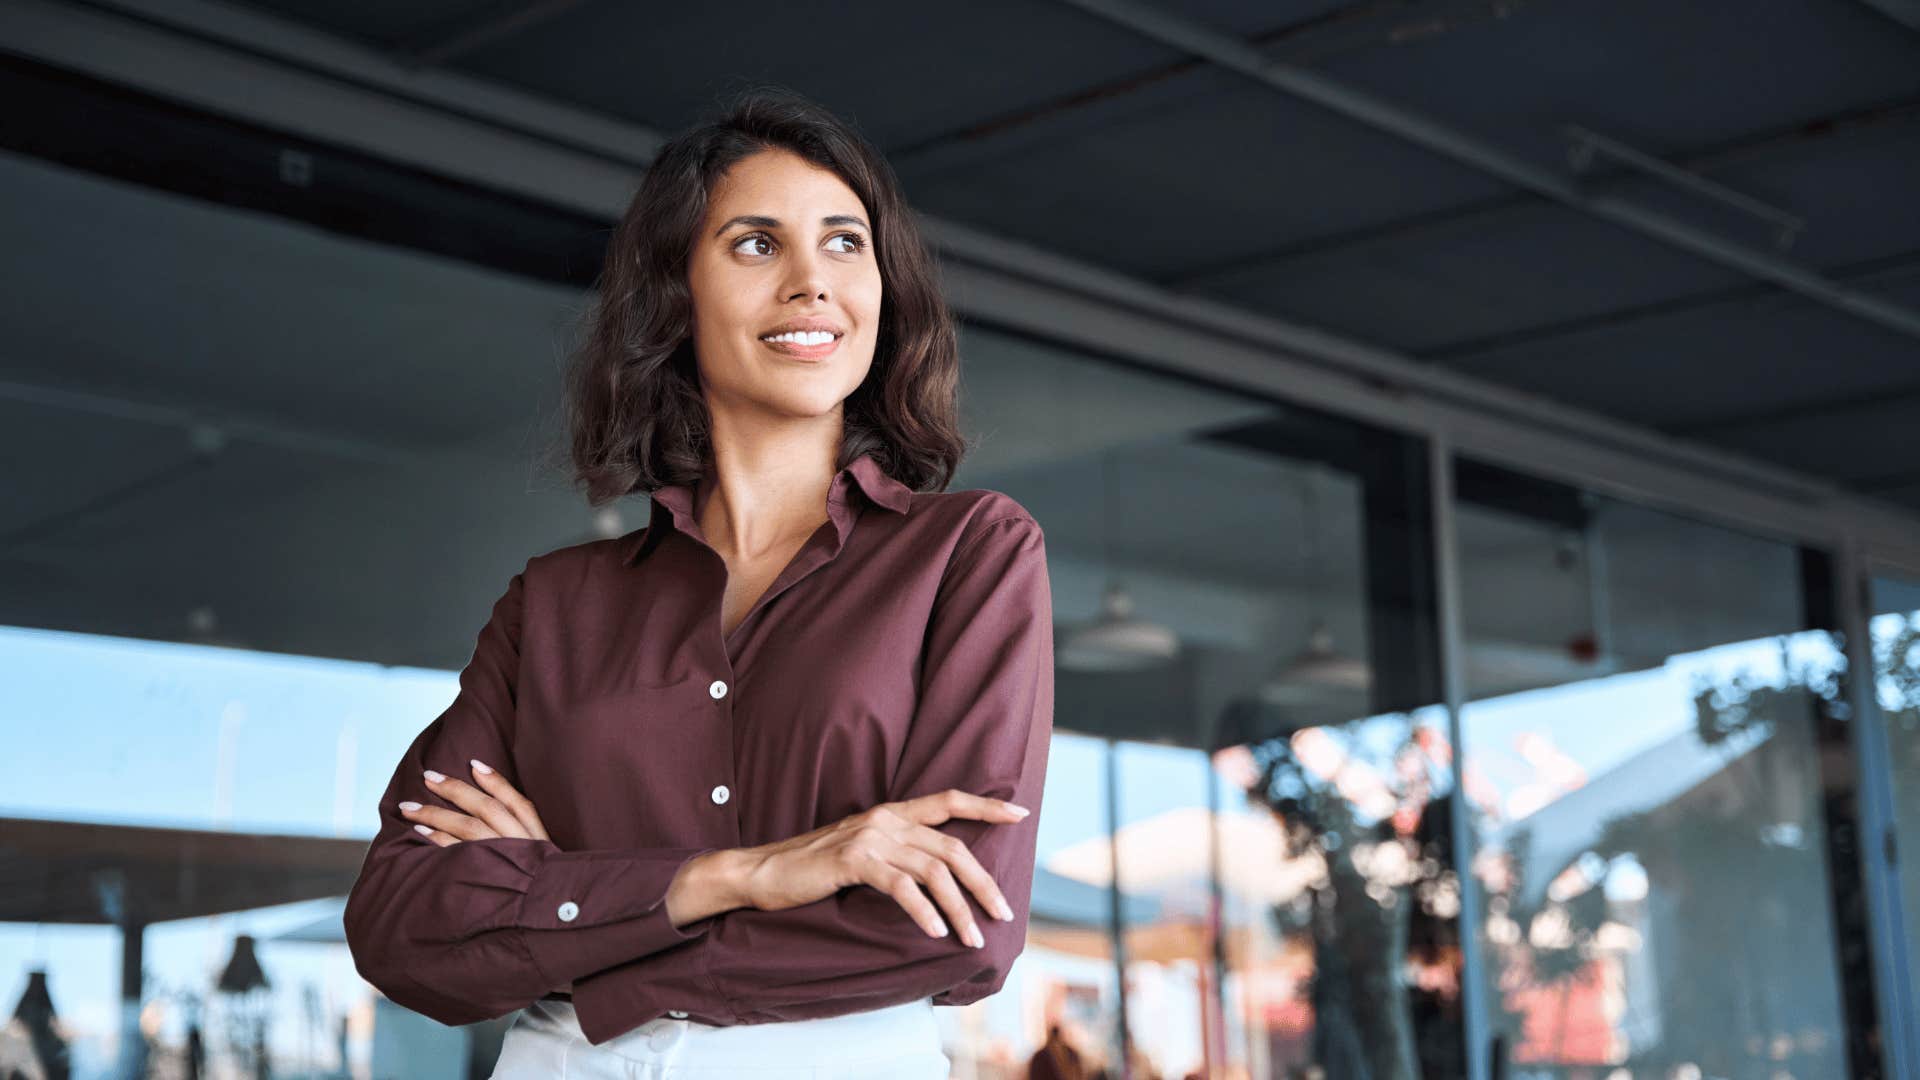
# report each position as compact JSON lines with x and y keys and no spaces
{"x":726,"y":875}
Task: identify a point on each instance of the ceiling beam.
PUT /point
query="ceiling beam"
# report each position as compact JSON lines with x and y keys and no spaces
{"x":1323,"y":37}
{"x":1459,"y":146}
{"x":1485,"y":213}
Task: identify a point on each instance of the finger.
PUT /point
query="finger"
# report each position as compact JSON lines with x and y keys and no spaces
{"x":437,"y":836}
{"x":451,"y":822}
{"x":952,"y":803}
{"x":475,"y":802}
{"x":517,"y":804}
{"x":933,"y":873}
{"x":901,"y":885}
{"x":965,"y":867}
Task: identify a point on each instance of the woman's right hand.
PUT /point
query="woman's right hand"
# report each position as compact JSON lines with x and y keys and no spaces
{"x":893,"y":847}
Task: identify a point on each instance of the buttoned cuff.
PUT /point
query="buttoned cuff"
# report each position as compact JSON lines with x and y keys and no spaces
{"x":588,"y":910}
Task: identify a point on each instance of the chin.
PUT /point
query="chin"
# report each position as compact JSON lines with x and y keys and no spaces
{"x":806,"y":405}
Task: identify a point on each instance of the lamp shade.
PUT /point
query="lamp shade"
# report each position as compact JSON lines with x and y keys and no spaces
{"x":1318,"y":673}
{"x":1116,"y":641}
{"x":243,"y":972}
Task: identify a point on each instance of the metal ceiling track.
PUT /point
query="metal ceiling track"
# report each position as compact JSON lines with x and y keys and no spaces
{"x":1230,"y":52}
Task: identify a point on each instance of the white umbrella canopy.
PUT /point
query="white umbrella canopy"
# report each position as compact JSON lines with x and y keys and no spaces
{"x":1170,"y":852}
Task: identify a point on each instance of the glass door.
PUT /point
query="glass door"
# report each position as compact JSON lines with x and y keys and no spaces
{"x":1658,"y":779}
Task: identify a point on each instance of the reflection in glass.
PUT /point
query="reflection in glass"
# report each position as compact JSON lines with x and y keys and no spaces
{"x":1362,"y":976}
{"x":1643,"y":775}
{"x":1281,"y":784}
{"x":1895,"y":632}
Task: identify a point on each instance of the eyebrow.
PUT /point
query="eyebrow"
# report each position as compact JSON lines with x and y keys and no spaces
{"x":760,"y":221}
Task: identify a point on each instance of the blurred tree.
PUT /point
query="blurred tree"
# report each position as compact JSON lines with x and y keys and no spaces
{"x":1384,"y":872}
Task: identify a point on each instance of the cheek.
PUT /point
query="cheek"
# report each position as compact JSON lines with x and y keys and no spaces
{"x":865,"y":295}
{"x":715,"y":303}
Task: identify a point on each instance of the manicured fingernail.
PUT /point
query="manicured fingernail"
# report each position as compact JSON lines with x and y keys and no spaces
{"x":1021,"y":810}
{"x":1005,"y":912}
{"x":423,"y":830}
{"x":973,"y":937}
{"x":479,"y":766}
{"x":409,"y":805}
{"x":434,"y":777}
{"x":940,"y":930}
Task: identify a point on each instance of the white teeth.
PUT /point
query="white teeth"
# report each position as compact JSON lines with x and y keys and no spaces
{"x":815,"y":337}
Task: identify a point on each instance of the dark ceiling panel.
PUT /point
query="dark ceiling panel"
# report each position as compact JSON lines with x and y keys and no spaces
{"x":1857,"y":187}
{"x":1470,"y":283}
{"x":388,"y":27}
{"x":1689,"y":371}
{"x":1203,"y":180}
{"x":901,"y":71}
{"x":1663,"y":76}
{"x":1872,"y":443}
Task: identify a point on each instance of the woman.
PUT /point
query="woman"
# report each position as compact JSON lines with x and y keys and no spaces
{"x":748,"y":788}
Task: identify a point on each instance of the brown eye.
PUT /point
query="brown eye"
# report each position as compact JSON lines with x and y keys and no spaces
{"x":859,"y":243}
{"x":760,"y":237}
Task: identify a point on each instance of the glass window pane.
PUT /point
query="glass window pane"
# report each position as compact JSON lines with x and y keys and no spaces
{"x":1643,"y":774}
{"x":1285,"y":885}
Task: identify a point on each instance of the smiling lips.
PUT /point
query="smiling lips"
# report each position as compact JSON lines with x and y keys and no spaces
{"x":803,"y":345}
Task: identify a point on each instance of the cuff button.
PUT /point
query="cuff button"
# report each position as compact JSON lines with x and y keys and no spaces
{"x":569,"y":911}
{"x":676,"y":1014}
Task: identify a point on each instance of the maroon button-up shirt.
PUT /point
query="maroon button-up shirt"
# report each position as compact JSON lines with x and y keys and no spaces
{"x":905,"y":649}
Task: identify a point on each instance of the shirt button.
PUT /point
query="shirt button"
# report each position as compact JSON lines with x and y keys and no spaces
{"x":676,"y":1014}
{"x":720,"y":794}
{"x":718,"y":689}
{"x":569,"y":911}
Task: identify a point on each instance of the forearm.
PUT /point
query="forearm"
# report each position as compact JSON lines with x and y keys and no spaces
{"x":855,"y":950}
{"x":479,"y":928}
{"x":708,"y":885}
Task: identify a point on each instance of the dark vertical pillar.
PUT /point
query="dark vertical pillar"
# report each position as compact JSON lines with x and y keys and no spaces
{"x":1840,"y":799}
{"x":1117,"y":918}
{"x":133,"y":1043}
{"x":1214,"y":1052}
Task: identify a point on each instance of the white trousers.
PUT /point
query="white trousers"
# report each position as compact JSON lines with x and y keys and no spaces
{"x":899,"y":1042}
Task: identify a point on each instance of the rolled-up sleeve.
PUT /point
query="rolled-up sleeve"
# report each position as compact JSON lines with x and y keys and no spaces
{"x":477,"y":929}
{"x":983,"y":724}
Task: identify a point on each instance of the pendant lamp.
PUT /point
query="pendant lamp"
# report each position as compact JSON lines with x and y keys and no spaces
{"x":1319,"y":672}
{"x":1116,"y":640}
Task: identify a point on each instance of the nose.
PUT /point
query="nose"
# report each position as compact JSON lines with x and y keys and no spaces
{"x":805,"y":278}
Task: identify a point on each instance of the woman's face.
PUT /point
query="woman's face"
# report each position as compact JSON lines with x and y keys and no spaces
{"x":783,"y":242}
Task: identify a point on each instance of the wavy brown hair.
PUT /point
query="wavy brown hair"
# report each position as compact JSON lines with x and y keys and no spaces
{"x":635,"y":415}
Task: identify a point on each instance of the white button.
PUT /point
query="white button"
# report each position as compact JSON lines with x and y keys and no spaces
{"x":718,"y":689}
{"x":676,"y":1014}
{"x":720,"y":794}
{"x":569,"y":911}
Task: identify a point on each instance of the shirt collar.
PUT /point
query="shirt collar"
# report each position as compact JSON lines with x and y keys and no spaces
{"x":673,"y":504}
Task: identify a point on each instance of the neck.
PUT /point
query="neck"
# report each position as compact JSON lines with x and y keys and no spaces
{"x":756,"y":496}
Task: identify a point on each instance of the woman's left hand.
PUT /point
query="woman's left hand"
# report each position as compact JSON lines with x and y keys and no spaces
{"x":493,"y":808}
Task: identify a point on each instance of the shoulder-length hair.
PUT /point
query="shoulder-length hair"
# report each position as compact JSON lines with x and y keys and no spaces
{"x":637,"y":420}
